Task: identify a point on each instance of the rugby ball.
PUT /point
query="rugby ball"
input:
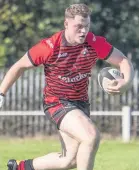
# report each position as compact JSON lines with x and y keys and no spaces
{"x":106,"y":75}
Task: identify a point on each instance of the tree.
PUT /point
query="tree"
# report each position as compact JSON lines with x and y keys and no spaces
{"x":24,"y":23}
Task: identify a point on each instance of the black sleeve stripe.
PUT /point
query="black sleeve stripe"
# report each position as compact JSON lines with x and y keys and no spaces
{"x":109,"y":53}
{"x":31,"y":59}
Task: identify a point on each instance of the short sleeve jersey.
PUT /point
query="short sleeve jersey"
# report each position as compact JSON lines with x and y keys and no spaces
{"x":68,"y":68}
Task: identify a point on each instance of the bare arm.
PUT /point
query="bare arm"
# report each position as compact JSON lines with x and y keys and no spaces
{"x":119,"y":60}
{"x":14,"y":73}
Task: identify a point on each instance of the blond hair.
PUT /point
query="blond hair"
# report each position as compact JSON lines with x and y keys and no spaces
{"x":77,"y":9}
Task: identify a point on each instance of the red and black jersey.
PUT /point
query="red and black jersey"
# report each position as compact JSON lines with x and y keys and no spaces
{"x":68,"y":68}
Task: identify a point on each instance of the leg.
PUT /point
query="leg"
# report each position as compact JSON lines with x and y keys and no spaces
{"x":80,"y":127}
{"x":64,"y":160}
{"x":69,"y":148}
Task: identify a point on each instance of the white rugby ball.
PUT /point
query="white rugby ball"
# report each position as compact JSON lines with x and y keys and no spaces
{"x":107,"y":74}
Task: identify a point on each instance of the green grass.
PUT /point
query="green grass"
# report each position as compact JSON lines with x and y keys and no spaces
{"x":112,"y":155}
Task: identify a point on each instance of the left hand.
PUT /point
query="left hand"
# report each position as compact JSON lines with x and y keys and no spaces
{"x":118,"y":86}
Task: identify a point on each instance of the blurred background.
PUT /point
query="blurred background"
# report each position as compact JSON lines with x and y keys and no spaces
{"x":23,"y":24}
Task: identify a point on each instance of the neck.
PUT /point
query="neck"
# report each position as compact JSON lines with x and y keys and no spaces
{"x":68,"y":39}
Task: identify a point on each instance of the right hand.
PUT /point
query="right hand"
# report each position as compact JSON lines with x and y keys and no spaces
{"x":2,"y":98}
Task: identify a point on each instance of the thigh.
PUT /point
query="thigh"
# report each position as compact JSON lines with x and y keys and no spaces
{"x":78,"y":125}
{"x":56,"y":111}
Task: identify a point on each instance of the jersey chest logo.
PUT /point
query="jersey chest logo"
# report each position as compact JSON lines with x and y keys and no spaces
{"x":62,"y":55}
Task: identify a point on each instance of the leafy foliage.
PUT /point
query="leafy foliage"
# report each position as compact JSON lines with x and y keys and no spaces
{"x":23,"y":23}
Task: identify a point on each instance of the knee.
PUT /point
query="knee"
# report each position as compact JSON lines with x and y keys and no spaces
{"x":93,"y":138}
{"x":73,"y":164}
{"x":68,"y":163}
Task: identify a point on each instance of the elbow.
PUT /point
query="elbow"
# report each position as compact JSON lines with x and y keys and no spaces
{"x":127,"y":64}
{"x":126,"y":67}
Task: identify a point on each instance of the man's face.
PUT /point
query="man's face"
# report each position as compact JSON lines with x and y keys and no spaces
{"x":77,"y":28}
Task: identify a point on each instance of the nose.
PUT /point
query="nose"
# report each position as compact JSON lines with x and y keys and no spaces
{"x":84,"y":30}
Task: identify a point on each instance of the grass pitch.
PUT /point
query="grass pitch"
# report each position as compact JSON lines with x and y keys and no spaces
{"x":112,"y":155}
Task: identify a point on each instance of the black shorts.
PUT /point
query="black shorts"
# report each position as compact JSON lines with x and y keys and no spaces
{"x":55,"y":111}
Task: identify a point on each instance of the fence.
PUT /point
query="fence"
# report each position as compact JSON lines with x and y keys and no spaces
{"x":22,"y":123}
{"x":26,"y":95}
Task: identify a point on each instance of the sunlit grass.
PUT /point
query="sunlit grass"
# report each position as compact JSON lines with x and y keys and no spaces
{"x":112,"y":155}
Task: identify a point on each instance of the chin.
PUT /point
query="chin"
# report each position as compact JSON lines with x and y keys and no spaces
{"x":80,"y":41}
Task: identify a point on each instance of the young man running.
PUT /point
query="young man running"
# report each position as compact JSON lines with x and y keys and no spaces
{"x":68,"y":57}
